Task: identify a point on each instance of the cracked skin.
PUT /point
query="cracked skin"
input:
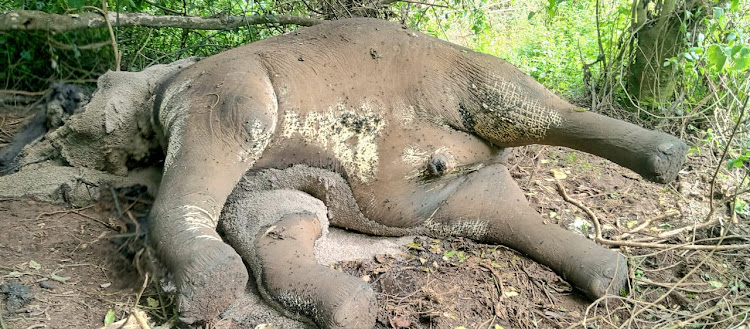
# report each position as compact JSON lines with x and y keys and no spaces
{"x":407,"y":141}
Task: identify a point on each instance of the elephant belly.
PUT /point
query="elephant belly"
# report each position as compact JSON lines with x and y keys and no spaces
{"x":399,"y":175}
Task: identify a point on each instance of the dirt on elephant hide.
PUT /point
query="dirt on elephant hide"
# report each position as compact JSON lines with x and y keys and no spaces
{"x":61,"y":268}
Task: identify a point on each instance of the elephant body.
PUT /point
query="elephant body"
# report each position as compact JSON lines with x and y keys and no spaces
{"x":393,"y":132}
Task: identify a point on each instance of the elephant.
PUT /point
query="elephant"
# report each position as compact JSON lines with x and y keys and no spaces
{"x":369,"y":126}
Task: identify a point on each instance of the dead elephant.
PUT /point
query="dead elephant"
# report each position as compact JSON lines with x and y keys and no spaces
{"x":384,"y":131}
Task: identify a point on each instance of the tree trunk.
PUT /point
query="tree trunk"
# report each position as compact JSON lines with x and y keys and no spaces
{"x":657,"y":28}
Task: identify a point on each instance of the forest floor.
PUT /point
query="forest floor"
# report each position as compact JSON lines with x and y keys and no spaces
{"x":72,"y":267}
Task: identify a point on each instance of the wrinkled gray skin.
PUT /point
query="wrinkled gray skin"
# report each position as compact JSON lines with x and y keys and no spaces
{"x":393,"y":132}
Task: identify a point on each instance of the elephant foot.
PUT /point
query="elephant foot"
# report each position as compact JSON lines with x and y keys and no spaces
{"x":211,"y":281}
{"x":605,"y":273}
{"x":665,"y":160}
{"x":290,"y":277}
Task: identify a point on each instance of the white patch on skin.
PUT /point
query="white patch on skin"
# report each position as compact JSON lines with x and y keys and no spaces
{"x":406,"y":113}
{"x":198,"y":219}
{"x":208,"y":237}
{"x":173,"y":116}
{"x":350,"y":134}
{"x":413,"y":156}
{"x":259,"y":139}
{"x":198,"y":216}
{"x":472,"y":229}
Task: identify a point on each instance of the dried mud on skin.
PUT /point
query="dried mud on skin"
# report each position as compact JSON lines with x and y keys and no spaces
{"x":443,"y":283}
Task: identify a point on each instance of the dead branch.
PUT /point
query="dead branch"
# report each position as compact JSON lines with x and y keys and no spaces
{"x":598,"y":237}
{"x":31,"y":20}
{"x":23,"y":92}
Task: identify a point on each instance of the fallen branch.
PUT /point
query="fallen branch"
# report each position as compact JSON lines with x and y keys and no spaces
{"x":598,"y":227}
{"x":2,"y":323}
{"x":23,"y":92}
{"x":31,"y":20}
{"x":134,"y":310}
{"x":646,"y":223}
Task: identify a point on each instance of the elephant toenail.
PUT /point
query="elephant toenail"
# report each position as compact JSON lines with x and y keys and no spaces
{"x":654,"y":161}
{"x":666,"y":148}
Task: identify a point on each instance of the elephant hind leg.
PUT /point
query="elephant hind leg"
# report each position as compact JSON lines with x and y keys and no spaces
{"x":656,"y":156}
{"x":275,"y":232}
{"x":490,"y":207}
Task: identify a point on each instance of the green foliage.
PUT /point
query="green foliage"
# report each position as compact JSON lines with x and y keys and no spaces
{"x":34,"y":59}
{"x":544,"y":38}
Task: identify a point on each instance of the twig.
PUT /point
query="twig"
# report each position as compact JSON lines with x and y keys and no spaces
{"x":2,"y":323}
{"x":23,"y":92}
{"x":598,"y":237}
{"x":682,"y":324}
{"x":582,"y":323}
{"x":103,"y":11}
{"x":669,"y":213}
{"x":28,"y":20}
{"x":423,"y":3}
{"x":498,"y":279}
{"x":95,"y":45}
{"x":533,"y":281}
{"x":662,"y":297}
{"x":68,"y":211}
{"x":134,"y":310}
{"x":671,"y":285}
{"x":140,"y":293}
{"x":141,"y":321}
{"x":94,"y":219}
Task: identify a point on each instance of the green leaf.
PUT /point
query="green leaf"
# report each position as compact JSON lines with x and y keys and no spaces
{"x":511,"y":293}
{"x":718,"y":12}
{"x":742,"y":59}
{"x":109,"y":318}
{"x":715,"y":284}
{"x":153,"y":303}
{"x":59,"y":278}
{"x":76,"y":3}
{"x":716,"y":57}
{"x":735,"y":163}
{"x":33,"y":264}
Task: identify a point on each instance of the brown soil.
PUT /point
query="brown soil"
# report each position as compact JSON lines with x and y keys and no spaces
{"x":66,"y":260}
{"x":75,"y":273}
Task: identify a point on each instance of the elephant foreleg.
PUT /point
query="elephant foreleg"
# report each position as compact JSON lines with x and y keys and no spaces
{"x":214,"y":138}
{"x":490,"y":207}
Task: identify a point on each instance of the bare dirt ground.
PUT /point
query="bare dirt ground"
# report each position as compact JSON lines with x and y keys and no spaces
{"x":71,"y":267}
